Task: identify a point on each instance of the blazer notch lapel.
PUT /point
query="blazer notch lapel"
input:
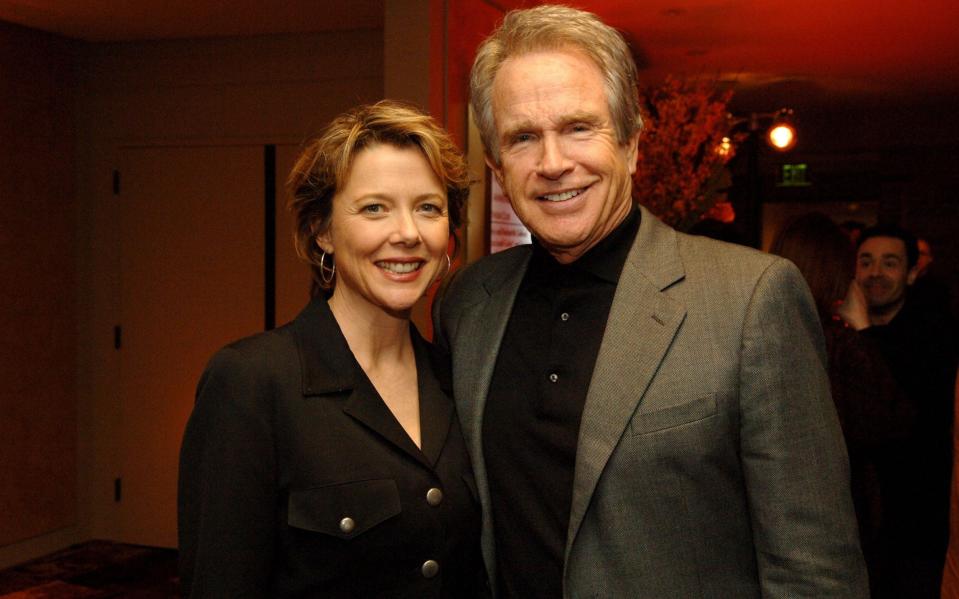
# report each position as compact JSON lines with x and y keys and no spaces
{"x":436,"y":408}
{"x":641,"y":326}
{"x":367,"y":407}
{"x":483,"y":324}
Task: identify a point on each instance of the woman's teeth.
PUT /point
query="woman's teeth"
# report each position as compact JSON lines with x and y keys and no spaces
{"x":400,"y":267}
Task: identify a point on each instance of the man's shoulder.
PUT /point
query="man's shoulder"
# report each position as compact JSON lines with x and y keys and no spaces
{"x":486,"y":273}
{"x":712,"y":259}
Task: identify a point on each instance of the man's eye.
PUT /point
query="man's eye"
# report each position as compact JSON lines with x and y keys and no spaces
{"x":522,"y":137}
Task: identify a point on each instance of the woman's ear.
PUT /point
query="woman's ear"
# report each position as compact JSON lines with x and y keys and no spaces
{"x":324,"y":242}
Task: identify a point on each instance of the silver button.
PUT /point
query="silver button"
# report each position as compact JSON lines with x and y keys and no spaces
{"x":347,"y":525}
{"x":430,"y":568}
{"x":553,"y":377}
{"x":434,"y":497}
{"x":564,"y":316}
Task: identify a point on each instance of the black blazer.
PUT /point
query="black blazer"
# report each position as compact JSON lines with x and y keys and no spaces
{"x":296,"y":480}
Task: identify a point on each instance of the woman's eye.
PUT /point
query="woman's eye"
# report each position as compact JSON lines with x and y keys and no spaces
{"x":373,"y":208}
{"x":431,"y":208}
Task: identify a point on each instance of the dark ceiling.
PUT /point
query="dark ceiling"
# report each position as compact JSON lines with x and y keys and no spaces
{"x":886,"y":70}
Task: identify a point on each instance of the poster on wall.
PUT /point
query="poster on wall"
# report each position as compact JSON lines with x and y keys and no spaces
{"x":505,"y":228}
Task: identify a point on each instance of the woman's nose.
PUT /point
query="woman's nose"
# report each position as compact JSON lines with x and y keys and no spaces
{"x":405,"y":231}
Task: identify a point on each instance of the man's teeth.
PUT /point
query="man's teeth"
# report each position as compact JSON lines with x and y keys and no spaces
{"x":399,"y":267}
{"x":561,"y":197}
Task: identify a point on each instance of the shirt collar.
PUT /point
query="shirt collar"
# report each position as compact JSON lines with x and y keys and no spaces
{"x":604,"y":260}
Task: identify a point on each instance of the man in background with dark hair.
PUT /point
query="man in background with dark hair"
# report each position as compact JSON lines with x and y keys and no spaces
{"x":914,"y":473}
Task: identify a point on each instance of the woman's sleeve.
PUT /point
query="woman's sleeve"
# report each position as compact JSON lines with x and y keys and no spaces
{"x":227,"y":486}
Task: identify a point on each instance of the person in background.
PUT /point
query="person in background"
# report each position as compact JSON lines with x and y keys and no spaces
{"x":929,"y":290}
{"x":950,"y":573}
{"x":872,"y":410}
{"x":323,"y":458}
{"x":853,"y":229}
{"x":914,"y":472}
{"x":648,"y":412}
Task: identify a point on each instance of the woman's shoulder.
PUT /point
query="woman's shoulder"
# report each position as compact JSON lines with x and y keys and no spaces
{"x":253,"y":359}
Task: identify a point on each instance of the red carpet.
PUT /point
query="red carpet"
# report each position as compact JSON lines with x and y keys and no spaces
{"x":95,"y":569}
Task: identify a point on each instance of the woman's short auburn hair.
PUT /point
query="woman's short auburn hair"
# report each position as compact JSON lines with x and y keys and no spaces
{"x":324,"y":167}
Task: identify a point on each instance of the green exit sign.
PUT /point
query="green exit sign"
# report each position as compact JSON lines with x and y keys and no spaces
{"x":795,"y":175}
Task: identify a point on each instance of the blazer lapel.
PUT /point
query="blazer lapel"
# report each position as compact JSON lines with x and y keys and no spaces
{"x":480,"y":333}
{"x":328,"y":366}
{"x":436,"y":407}
{"x":478,"y":336}
{"x":641,"y":325}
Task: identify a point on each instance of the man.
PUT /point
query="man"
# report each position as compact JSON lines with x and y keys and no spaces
{"x":914,"y":472}
{"x":647,"y":412}
{"x":886,"y":265}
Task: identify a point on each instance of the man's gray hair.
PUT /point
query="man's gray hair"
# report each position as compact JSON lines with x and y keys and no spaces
{"x":555,"y":27}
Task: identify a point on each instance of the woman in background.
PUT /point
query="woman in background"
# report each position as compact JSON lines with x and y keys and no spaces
{"x":872,"y":411}
{"x":323,"y":458}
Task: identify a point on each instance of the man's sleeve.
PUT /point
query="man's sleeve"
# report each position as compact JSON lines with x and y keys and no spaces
{"x":794,"y":458}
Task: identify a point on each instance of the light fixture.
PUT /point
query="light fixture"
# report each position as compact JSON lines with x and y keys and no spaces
{"x":782,"y":134}
{"x":725,"y":146}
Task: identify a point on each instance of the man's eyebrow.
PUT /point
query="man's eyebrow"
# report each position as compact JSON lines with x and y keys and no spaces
{"x":581,"y":117}
{"x":568,"y":119}
{"x":518,"y":127}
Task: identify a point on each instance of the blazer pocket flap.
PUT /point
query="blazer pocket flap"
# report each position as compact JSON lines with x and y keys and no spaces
{"x":344,"y":510}
{"x":657,"y":420}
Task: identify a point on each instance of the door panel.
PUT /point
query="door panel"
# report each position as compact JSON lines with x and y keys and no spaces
{"x":292,"y":274}
{"x":191,"y":281}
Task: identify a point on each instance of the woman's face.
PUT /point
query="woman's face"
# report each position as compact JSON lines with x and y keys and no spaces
{"x":389,"y":230}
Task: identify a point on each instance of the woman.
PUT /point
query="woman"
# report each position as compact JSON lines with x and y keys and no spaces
{"x":872,"y":411}
{"x":324,"y":458}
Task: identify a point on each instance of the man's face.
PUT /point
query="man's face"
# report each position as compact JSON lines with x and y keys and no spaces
{"x":566,"y":175}
{"x":883,"y":272}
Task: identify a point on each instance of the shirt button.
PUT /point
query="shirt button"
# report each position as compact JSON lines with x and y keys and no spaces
{"x":430,"y":568}
{"x":347,"y":525}
{"x":564,"y":316}
{"x":553,"y":377}
{"x":434,"y":497}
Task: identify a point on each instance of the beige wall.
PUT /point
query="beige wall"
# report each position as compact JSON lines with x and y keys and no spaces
{"x":38,"y":416}
{"x":263,"y":90}
{"x":275,"y":89}
{"x":69,"y":112}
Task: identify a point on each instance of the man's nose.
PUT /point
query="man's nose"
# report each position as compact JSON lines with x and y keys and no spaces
{"x":554,"y":163}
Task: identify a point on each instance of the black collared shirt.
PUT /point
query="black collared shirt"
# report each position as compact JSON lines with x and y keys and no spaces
{"x":536,"y":398}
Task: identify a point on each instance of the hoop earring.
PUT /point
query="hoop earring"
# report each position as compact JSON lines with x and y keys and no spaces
{"x":449,"y":267}
{"x":327,"y":280}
